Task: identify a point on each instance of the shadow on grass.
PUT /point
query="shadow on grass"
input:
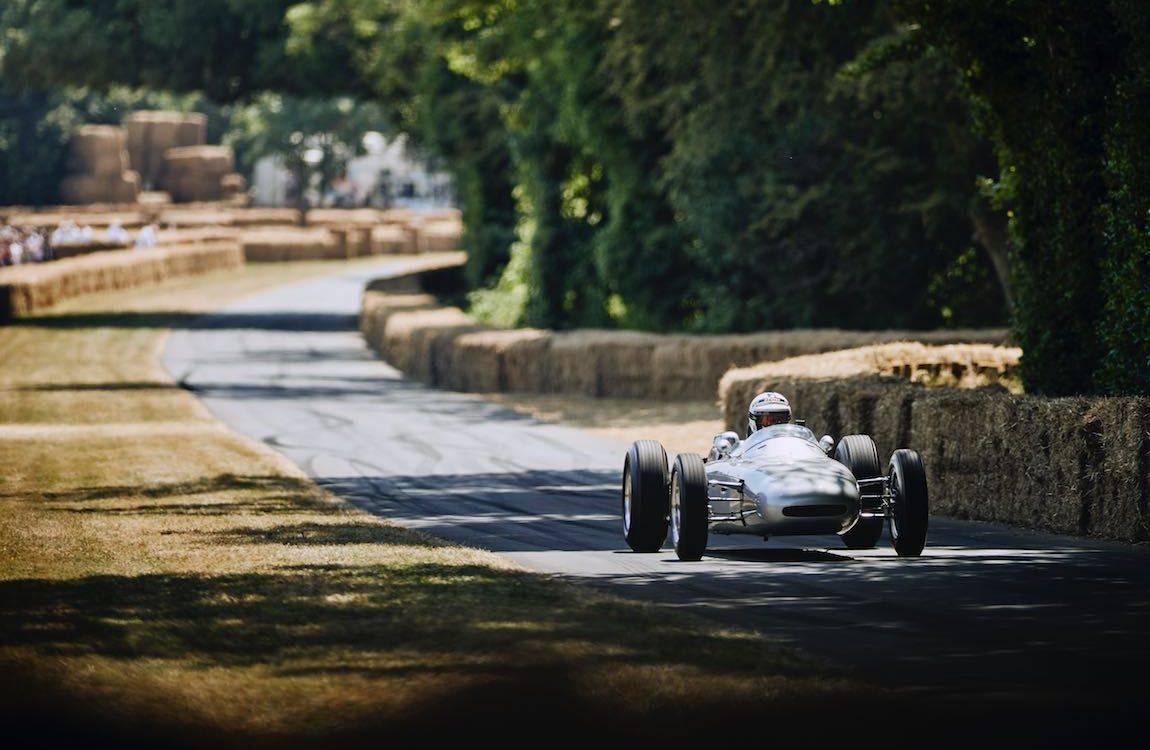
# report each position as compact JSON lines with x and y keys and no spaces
{"x":129,"y":386}
{"x":271,"y":321}
{"x":277,"y":494}
{"x":505,"y":649}
{"x":328,"y":534}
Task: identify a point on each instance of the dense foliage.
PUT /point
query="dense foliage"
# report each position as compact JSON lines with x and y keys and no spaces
{"x":725,"y":165}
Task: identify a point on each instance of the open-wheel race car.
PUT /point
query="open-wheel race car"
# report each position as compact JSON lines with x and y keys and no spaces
{"x":780,"y":481}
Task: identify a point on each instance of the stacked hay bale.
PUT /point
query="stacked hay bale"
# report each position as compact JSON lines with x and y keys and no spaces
{"x":502,"y":361}
{"x":29,"y":288}
{"x":151,"y":133}
{"x":389,"y":239}
{"x":440,"y":236}
{"x":255,"y":217}
{"x":98,"y":165}
{"x":234,"y":187}
{"x":290,"y":244}
{"x":198,"y":173}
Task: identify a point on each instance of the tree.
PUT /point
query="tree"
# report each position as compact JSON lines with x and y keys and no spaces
{"x":315,"y":137}
{"x":1060,"y":88}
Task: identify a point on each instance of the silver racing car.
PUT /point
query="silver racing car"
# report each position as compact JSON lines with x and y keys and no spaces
{"x":780,"y":481}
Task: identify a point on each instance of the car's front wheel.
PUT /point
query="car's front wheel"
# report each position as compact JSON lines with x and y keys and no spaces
{"x":909,"y":512}
{"x":859,"y":454}
{"x":689,"y":506}
{"x":645,"y":498}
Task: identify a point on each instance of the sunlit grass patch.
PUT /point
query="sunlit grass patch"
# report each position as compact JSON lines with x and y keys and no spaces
{"x":165,"y":581}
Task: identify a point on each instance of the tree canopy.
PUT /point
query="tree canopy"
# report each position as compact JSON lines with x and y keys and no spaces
{"x":728,"y":165}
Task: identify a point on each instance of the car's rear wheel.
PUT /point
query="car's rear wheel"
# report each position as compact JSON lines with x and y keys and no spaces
{"x":689,"y":506}
{"x":859,"y":454}
{"x":910,"y":511}
{"x":646,"y":500}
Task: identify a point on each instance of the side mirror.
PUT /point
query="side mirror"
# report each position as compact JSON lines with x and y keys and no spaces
{"x":827,"y":443}
{"x":722,"y":445}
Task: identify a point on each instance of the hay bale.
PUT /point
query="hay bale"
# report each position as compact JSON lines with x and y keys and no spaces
{"x":191,"y":130}
{"x":86,"y":189}
{"x":600,"y":363}
{"x":388,"y":239}
{"x":571,"y":366}
{"x":196,"y":235}
{"x":98,"y":151}
{"x":192,"y":216}
{"x":1115,"y":479}
{"x":500,"y":361}
{"x":439,"y":236}
{"x":1002,"y":458}
{"x":359,"y":217}
{"x":209,"y":161}
{"x":233,"y":184}
{"x":194,"y":173}
{"x":377,"y":307}
{"x":255,"y":217}
{"x":202,"y":257}
{"x":420,"y":340}
{"x":353,"y":241}
{"x":396,"y":216}
{"x":150,"y":133}
{"x":289,"y":244}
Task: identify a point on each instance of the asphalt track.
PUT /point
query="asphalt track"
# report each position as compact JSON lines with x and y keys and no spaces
{"x":997,"y":614}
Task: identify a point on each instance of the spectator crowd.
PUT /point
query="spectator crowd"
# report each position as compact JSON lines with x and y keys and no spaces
{"x":24,"y":245}
{"x":20,"y":245}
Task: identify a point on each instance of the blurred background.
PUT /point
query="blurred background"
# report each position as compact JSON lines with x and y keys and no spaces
{"x":704,"y":167}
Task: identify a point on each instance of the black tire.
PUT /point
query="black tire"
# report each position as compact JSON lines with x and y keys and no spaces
{"x":646,"y":496}
{"x":859,"y":454}
{"x":689,"y":507}
{"x":910,"y":511}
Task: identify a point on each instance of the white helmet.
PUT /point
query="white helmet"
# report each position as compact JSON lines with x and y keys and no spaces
{"x":766,"y":409}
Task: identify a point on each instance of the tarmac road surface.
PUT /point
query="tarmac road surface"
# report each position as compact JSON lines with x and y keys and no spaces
{"x":1000,"y":615}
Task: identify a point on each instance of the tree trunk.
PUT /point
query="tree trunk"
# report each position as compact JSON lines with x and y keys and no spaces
{"x":990,"y":231}
{"x":301,"y":193}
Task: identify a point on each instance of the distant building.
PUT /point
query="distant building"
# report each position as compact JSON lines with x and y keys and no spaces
{"x":386,"y":176}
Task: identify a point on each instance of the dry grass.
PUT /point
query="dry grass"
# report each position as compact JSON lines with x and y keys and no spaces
{"x":165,"y":581}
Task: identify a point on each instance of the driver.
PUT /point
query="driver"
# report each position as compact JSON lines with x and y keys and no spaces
{"x":766,"y":409}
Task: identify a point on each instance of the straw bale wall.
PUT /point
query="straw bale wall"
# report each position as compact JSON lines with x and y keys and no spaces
{"x":193,"y":235}
{"x":1073,"y":466}
{"x":377,"y":307}
{"x":629,"y":364}
{"x":421,"y":341}
{"x":27,"y":289}
{"x":366,"y":217}
{"x":355,"y":240}
{"x":390,"y":239}
{"x":52,"y":216}
{"x":196,"y":215}
{"x":251,"y":217}
{"x":1068,"y":465}
{"x":439,"y":236}
{"x":286,"y":244}
{"x":496,"y":361}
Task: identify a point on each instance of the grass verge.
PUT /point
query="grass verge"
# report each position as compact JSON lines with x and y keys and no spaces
{"x":167,"y":581}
